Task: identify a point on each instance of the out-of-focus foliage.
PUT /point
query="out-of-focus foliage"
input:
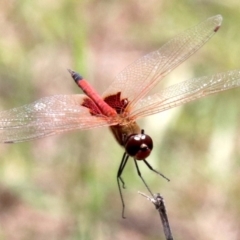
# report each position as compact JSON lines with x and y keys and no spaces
{"x":64,"y":187}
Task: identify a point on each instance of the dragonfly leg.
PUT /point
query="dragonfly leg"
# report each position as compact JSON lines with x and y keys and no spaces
{"x":150,"y":167}
{"x":140,"y":175}
{"x":119,"y":179}
{"x":121,"y":168}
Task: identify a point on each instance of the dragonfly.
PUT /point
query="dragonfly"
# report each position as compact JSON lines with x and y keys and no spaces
{"x":126,"y":100}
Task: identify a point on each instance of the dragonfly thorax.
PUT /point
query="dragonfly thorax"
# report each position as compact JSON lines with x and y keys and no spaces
{"x":139,"y":146}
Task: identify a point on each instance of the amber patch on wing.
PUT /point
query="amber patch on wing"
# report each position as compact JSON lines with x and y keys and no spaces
{"x":116,"y":102}
{"x":93,"y":108}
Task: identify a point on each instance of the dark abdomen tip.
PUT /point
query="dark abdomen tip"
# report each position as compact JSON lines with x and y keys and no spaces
{"x":76,"y":76}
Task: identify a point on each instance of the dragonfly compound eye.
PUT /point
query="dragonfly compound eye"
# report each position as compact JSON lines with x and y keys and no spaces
{"x":139,"y":146}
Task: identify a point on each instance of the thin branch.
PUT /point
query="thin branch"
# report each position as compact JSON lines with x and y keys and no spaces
{"x":158,"y":202}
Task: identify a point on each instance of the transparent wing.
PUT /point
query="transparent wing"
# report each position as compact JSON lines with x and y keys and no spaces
{"x":47,"y":116}
{"x":139,"y":78}
{"x":185,"y":92}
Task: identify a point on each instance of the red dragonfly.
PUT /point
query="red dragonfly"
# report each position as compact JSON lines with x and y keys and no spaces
{"x":125,"y":100}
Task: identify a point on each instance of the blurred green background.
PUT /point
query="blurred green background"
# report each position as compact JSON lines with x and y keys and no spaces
{"x":64,"y":187}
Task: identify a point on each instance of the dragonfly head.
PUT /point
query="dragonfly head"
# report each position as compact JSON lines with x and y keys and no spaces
{"x":139,"y":146}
